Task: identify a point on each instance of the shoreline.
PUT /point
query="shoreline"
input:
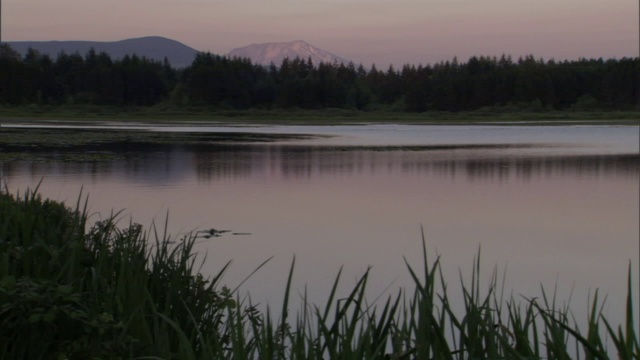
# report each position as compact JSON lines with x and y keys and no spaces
{"x":195,"y":116}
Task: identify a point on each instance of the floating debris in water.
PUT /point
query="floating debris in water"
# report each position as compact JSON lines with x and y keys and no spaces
{"x":207,"y":234}
{"x":212,"y":233}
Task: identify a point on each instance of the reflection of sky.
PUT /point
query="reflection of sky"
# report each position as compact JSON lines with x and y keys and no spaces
{"x":586,"y":139}
{"x":550,"y":217}
{"x":614,"y":138}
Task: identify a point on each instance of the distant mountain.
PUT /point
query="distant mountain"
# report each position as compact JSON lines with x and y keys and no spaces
{"x":152,"y":47}
{"x":265,"y":54}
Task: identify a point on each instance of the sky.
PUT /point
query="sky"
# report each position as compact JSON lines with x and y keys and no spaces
{"x":383,"y":32}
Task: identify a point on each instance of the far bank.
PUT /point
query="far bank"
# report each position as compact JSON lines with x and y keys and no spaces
{"x":493,"y":115}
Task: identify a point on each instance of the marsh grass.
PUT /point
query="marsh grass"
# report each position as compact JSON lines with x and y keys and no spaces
{"x":328,"y":116}
{"x":120,"y":292}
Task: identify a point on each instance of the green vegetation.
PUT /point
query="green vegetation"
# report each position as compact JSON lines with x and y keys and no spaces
{"x":198,"y":115}
{"x":63,"y":145}
{"x":97,"y":84}
{"x":120,"y":293}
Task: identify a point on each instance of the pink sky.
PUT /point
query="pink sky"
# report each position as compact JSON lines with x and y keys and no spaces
{"x":364,"y":31}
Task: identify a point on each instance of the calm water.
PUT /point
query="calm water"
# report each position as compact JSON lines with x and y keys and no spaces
{"x":551,"y":204}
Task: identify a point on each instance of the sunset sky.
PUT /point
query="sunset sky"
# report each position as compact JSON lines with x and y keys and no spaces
{"x":364,"y":31}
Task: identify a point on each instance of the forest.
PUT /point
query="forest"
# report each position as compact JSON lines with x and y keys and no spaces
{"x":221,"y":83}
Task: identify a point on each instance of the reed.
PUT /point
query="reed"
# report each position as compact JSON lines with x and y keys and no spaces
{"x":121,"y":292}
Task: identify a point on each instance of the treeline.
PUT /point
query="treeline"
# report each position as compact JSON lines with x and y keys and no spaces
{"x":224,"y":83}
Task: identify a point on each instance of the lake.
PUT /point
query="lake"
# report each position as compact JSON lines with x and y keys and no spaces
{"x":554,"y":205}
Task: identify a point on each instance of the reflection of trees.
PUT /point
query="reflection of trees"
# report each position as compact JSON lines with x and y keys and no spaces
{"x":230,"y":162}
{"x":538,"y":167}
{"x":148,"y":165}
{"x":167,"y":164}
{"x":306,"y":162}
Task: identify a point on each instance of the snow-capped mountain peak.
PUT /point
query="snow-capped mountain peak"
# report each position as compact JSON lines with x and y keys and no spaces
{"x":267,"y":53}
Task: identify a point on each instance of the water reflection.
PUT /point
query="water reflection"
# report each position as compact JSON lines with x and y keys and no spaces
{"x":167,"y":164}
{"x":546,"y":211}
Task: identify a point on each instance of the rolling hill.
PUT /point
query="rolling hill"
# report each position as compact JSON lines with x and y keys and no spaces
{"x":152,"y":47}
{"x":179,"y":54}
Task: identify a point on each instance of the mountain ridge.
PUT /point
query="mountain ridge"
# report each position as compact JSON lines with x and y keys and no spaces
{"x":156,"y":48}
{"x":178,"y":54}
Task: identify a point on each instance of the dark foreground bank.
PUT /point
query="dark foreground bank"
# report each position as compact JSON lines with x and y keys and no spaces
{"x":74,"y":290}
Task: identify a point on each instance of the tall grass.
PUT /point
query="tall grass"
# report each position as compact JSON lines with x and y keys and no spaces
{"x":120,"y":292}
